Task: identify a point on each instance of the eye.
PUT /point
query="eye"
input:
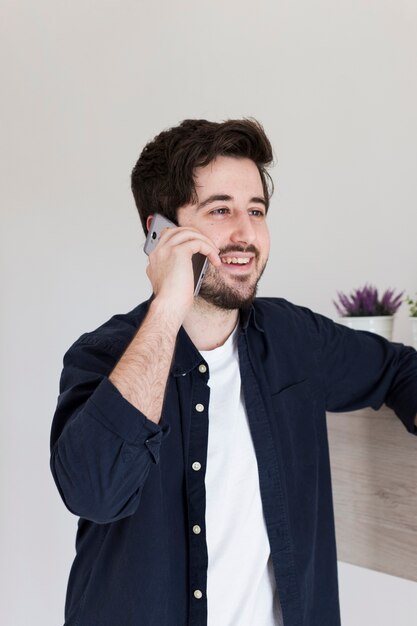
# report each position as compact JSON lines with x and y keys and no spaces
{"x":257,"y":213}
{"x":221,"y":211}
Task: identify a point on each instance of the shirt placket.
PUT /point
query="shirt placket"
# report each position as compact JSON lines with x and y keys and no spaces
{"x":272,"y":491}
{"x":196,"y":460}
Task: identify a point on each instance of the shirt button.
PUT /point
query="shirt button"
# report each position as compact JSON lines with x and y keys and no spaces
{"x":202,"y":368}
{"x":198,"y":594}
{"x":196,"y":529}
{"x":199,"y":408}
{"x":196,"y":466}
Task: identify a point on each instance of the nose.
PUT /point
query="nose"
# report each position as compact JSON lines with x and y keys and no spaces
{"x":243,"y":231}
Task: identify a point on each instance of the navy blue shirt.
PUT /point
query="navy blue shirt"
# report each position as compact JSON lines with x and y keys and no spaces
{"x":138,"y":487}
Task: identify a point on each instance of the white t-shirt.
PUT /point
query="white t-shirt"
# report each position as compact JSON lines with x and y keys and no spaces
{"x":241,"y":588}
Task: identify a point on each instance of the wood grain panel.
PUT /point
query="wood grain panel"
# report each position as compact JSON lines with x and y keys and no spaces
{"x":374,"y":474}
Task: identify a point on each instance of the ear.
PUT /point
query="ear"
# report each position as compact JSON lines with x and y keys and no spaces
{"x":148,"y":222}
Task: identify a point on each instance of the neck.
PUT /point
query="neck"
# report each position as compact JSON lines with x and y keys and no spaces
{"x":208,"y":326}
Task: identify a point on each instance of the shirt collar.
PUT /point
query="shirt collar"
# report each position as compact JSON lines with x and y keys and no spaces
{"x":248,"y":315}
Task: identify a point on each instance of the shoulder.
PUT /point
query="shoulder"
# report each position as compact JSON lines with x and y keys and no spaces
{"x":271,"y":310}
{"x":113,"y":336}
{"x":280,"y":317}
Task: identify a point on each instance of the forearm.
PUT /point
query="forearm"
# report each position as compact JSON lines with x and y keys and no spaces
{"x":141,"y":374}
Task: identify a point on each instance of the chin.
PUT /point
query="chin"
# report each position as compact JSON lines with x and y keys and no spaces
{"x":228,"y":298}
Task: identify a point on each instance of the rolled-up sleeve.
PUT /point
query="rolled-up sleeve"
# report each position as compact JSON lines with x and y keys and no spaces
{"x":102,"y":447}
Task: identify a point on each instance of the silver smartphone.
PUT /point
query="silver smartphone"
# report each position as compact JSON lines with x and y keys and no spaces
{"x":199,"y":261}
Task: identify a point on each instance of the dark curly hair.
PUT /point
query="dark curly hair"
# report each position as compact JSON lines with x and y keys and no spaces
{"x":162,"y":179}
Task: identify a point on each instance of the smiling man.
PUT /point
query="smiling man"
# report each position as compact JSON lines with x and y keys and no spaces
{"x":190,"y":433}
{"x":236,"y":224}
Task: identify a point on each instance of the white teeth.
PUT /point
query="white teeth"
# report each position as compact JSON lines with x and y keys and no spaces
{"x":239,"y":261}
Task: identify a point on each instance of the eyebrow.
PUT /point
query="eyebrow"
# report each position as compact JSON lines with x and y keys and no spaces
{"x":226,"y":198}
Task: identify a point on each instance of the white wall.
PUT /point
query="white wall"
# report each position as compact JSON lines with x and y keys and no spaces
{"x":84,"y":85}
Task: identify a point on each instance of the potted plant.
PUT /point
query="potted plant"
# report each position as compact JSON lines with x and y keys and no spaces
{"x":364,"y":310}
{"x":413,"y":317}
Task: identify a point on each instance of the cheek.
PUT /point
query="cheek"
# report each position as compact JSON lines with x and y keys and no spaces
{"x":212,"y":232}
{"x":265,"y":242}
{"x":183,"y":218}
{"x":186,"y":218}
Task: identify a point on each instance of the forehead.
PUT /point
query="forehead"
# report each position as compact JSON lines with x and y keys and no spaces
{"x":226,"y":174}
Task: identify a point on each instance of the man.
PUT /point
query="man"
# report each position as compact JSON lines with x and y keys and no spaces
{"x":190,"y":434}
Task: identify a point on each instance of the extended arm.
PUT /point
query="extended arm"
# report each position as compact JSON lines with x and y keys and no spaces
{"x":361,"y":369}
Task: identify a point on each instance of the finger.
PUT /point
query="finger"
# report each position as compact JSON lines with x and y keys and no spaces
{"x":207,"y":248}
{"x":169,"y":233}
{"x":179,"y":236}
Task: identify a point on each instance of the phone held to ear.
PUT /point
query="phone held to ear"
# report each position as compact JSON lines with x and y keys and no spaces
{"x":199,"y":261}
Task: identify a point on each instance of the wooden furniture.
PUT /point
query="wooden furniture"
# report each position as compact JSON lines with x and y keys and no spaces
{"x":374,"y":473}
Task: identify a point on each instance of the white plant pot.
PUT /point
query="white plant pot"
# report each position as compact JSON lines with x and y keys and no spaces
{"x":414,"y":330}
{"x":379,"y":324}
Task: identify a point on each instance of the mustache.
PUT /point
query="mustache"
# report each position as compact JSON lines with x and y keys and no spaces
{"x":234,"y":248}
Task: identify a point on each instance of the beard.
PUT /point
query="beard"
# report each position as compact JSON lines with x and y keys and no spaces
{"x":219,"y":293}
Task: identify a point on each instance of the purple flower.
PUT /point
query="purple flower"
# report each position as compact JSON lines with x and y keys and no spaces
{"x":364,"y":302}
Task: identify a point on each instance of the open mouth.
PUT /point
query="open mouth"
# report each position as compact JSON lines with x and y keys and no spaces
{"x":237,"y":263}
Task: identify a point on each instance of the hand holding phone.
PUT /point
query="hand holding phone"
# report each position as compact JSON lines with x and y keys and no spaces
{"x":199,"y":261}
